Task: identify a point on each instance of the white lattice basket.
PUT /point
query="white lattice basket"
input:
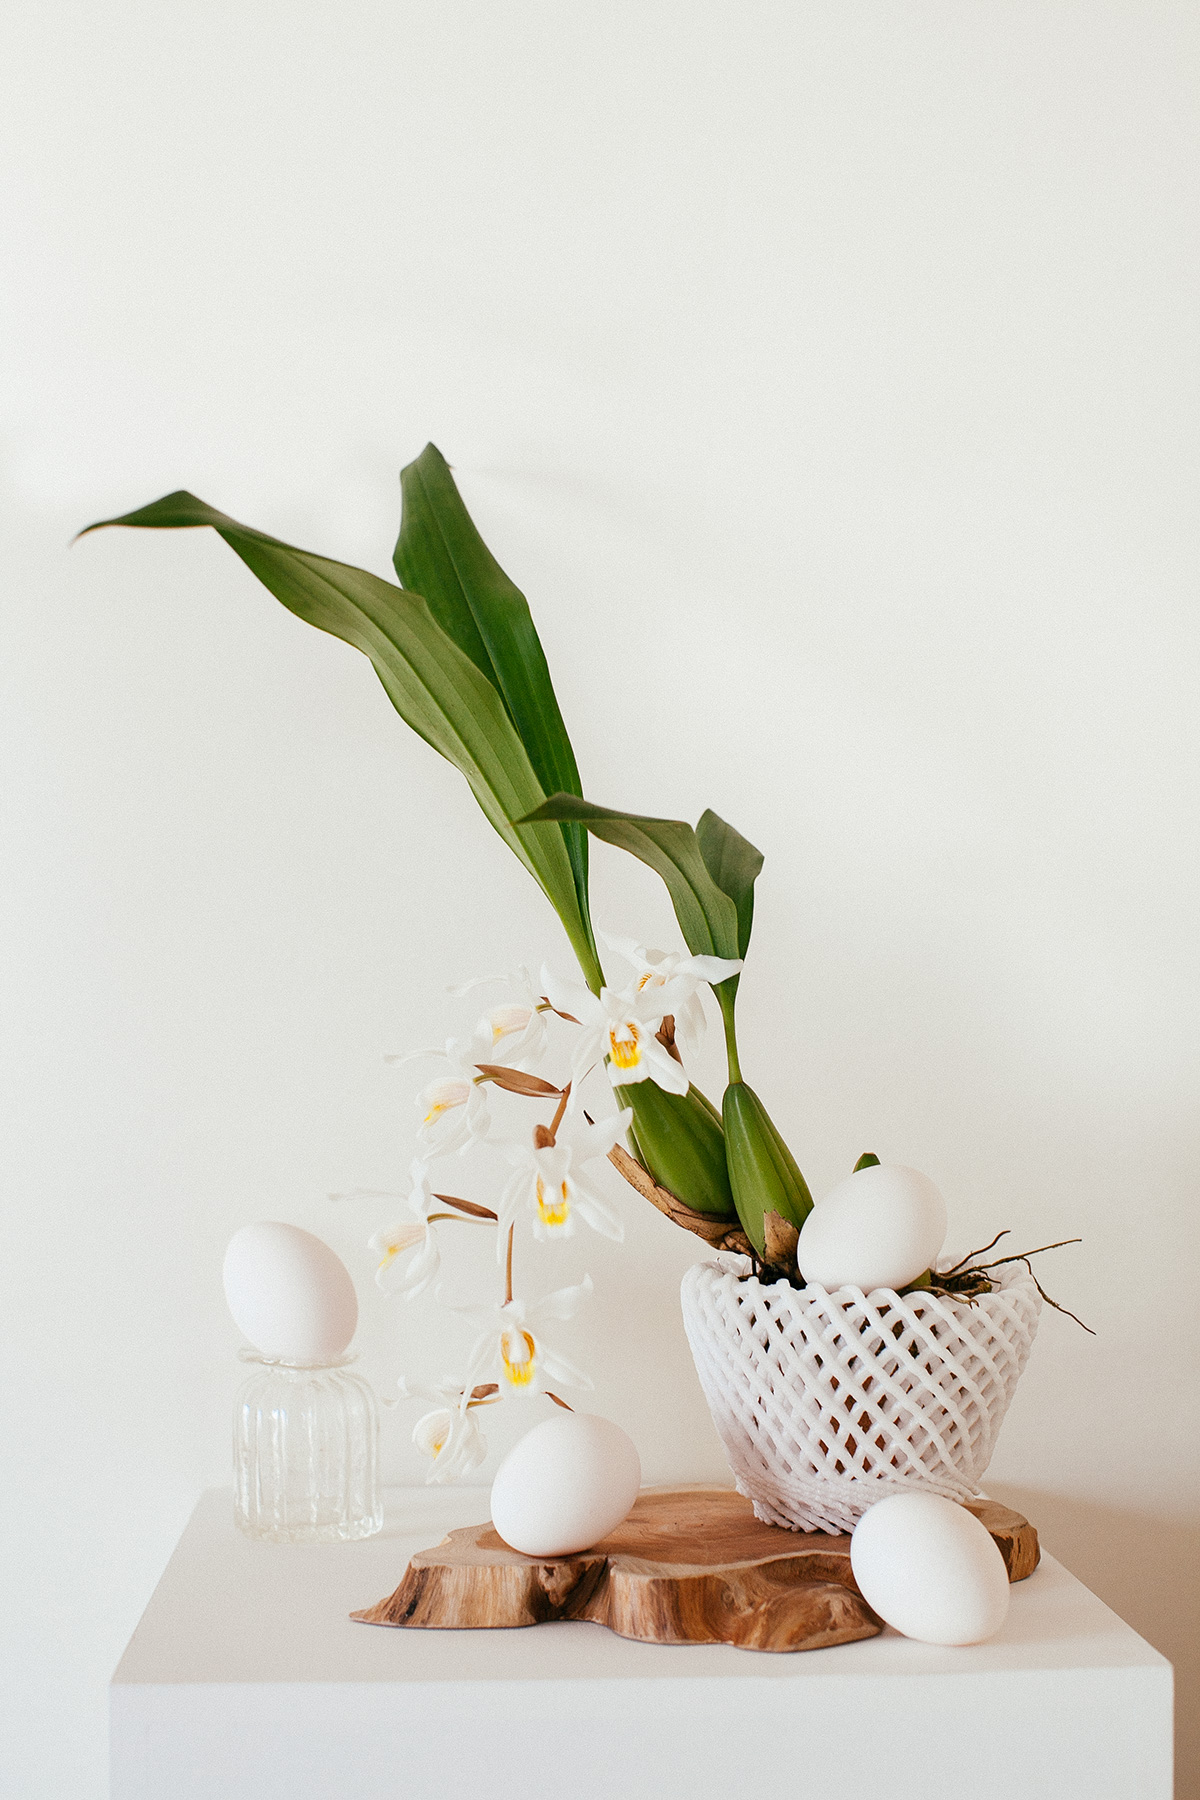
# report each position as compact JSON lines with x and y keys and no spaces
{"x":826,"y":1403}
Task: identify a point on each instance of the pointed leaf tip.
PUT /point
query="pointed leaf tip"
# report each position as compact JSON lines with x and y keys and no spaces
{"x":174,"y":512}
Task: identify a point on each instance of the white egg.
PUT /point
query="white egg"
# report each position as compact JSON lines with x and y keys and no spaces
{"x":567,"y":1484}
{"x":880,"y":1228}
{"x":930,"y":1570}
{"x":289,"y":1293}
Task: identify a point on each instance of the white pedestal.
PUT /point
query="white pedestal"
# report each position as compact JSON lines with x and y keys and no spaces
{"x":247,"y":1681}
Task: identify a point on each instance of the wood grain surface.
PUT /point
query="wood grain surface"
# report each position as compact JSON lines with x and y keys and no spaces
{"x":688,"y":1566}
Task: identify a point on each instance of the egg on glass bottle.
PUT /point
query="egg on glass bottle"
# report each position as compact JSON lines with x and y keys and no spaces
{"x":290,"y":1294}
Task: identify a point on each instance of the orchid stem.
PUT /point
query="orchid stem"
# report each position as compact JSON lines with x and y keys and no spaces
{"x":725,"y":999}
{"x":557,"y":1120}
{"x":508,"y":1267}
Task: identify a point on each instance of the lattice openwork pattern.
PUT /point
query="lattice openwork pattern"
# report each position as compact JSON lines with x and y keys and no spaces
{"x":826,"y":1403}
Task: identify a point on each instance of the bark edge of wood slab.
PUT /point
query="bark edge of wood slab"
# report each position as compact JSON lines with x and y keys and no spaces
{"x":688,"y":1566}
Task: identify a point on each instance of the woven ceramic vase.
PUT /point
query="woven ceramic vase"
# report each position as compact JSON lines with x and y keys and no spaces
{"x":826,"y":1403}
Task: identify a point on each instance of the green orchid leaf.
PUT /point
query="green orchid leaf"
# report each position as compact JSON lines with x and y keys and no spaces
{"x":441,"y":555}
{"x":734,"y":865}
{"x":707,"y":917}
{"x":435,"y":686}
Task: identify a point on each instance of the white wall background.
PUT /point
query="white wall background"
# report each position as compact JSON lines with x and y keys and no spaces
{"x":827,"y":375}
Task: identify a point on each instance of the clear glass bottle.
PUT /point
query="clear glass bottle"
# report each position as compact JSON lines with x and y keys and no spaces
{"x":305,"y":1453}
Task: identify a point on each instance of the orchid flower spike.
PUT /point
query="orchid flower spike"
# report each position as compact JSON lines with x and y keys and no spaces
{"x":450,"y":1434}
{"x":515,"y":1032}
{"x":618,"y":1028}
{"x":391,"y":1243}
{"x":511,"y":1350}
{"x":675,"y":980}
{"x":454,"y":1106}
{"x":550,"y":1179}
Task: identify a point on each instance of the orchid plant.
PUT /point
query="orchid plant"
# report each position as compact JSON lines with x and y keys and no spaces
{"x":455,"y":648}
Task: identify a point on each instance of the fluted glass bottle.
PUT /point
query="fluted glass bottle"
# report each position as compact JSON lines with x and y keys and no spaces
{"x":305,"y":1453}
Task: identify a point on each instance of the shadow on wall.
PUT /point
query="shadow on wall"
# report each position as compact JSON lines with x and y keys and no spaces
{"x":1148,"y":1570}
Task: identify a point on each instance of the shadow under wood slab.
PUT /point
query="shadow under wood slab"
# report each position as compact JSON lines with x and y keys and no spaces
{"x":688,"y":1566}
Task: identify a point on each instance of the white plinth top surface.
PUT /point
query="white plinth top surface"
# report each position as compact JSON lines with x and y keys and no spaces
{"x":246,"y":1678}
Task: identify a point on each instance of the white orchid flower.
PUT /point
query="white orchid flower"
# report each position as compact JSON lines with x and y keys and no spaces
{"x":621,"y":1028}
{"x":511,"y":1350}
{"x":681,"y":978}
{"x":515,"y":1032}
{"x":450,"y":1434}
{"x":551,"y":1180}
{"x":391,"y":1243}
{"x":454,"y":1106}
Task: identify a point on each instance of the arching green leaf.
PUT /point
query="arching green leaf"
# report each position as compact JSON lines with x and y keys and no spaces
{"x":433,"y":684}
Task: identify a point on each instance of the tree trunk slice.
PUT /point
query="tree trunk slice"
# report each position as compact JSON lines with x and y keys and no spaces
{"x":688,"y":1566}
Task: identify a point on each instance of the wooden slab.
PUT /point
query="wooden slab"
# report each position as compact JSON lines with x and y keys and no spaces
{"x":688,"y":1566}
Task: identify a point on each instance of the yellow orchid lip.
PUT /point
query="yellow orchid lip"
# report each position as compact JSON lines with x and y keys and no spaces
{"x":553,"y":1212}
{"x":518,"y":1374}
{"x":625,"y":1052}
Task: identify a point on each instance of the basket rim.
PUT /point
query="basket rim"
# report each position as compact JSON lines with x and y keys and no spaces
{"x":731,"y":1270}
